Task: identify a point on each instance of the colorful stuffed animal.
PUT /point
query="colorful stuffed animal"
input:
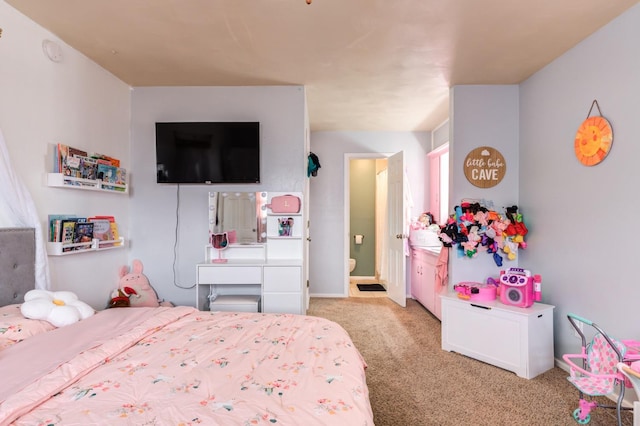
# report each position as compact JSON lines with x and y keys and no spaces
{"x":135,"y":287}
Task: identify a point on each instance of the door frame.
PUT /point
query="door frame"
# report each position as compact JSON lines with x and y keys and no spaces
{"x":348,"y":156}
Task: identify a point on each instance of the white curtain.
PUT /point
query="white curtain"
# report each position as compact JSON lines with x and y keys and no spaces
{"x":382,"y":243}
{"x":19,"y":210}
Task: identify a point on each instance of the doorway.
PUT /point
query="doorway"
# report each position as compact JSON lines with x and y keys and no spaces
{"x":367,"y":204}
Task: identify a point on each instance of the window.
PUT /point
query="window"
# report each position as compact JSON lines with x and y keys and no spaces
{"x":439,"y":183}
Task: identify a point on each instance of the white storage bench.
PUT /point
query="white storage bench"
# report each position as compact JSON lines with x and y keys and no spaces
{"x":236,"y":303}
{"x":509,"y":337}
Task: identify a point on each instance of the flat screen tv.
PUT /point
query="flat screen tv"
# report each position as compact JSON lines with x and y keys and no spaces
{"x":208,"y":152}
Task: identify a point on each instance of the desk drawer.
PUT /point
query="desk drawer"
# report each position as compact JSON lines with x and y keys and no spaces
{"x":229,"y":275}
{"x":282,"y":279}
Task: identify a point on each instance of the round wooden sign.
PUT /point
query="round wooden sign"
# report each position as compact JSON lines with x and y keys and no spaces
{"x":485,"y":167}
{"x":593,"y":140}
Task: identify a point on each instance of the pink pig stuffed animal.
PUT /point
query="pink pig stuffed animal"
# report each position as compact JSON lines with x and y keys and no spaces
{"x":144,"y":294}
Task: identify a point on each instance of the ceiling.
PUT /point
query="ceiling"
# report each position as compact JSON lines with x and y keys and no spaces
{"x":367,"y":65}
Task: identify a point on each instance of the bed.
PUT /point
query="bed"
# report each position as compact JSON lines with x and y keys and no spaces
{"x":173,"y":365}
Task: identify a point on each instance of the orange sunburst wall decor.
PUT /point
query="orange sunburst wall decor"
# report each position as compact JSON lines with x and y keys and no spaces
{"x":593,"y":139}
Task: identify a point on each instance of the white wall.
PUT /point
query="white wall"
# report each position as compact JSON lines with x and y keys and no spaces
{"x":328,"y":260}
{"x":483,"y":116}
{"x":75,"y":102}
{"x":281,"y":113}
{"x":582,"y":220}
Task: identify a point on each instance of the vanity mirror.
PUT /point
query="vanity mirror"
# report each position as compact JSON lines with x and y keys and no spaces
{"x":239,"y":213}
{"x":219,"y":242}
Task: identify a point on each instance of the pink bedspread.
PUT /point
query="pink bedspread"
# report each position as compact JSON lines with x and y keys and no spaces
{"x":180,"y":366}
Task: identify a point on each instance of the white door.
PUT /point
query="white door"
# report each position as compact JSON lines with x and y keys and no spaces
{"x":396,"y":287}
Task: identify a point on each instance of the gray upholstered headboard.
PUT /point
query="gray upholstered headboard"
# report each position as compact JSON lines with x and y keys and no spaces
{"x":17,"y":264}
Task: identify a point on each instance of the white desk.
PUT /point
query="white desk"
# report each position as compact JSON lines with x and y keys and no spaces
{"x":278,"y":282}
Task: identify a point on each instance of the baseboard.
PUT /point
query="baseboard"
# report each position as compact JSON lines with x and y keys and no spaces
{"x":629,"y":394}
{"x":328,"y":295}
{"x":338,"y":295}
{"x":358,"y":277}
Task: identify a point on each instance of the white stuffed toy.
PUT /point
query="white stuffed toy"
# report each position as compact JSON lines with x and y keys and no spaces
{"x":59,"y":308}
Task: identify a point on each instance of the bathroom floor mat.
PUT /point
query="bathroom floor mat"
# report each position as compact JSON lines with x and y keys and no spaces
{"x":370,"y":287}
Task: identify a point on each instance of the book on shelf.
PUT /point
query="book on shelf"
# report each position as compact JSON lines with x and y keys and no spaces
{"x":59,"y":152}
{"x":121,"y":177}
{"x":67,"y":233}
{"x":88,"y":168}
{"x":105,"y":159}
{"x":56,"y":159}
{"x":102,"y":229}
{"x":83,"y":233}
{"x":55,"y":228}
{"x":114,"y":233}
{"x":112,"y":174}
{"x":68,"y":160}
{"x":71,"y":167}
{"x":104,"y":233}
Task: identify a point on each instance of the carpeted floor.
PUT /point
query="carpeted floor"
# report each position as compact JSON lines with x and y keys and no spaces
{"x":412,"y":381}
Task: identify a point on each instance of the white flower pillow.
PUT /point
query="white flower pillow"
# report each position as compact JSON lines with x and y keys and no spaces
{"x":60,"y":308}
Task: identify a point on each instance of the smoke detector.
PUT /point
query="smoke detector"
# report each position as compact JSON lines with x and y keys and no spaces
{"x":52,"y":50}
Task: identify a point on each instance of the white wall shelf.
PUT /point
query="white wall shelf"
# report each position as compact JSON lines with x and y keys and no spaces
{"x":273,"y":226}
{"x":60,"y":249}
{"x":59,"y":180}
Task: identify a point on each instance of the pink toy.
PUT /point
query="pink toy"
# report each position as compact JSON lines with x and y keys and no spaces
{"x":475,"y":291}
{"x":595,"y":370}
{"x":144,"y":294}
{"x":519,"y":288}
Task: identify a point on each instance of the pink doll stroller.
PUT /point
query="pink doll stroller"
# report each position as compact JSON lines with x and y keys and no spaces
{"x":594,"y":370}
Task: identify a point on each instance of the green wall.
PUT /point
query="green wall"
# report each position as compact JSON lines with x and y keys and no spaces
{"x":362,"y":190}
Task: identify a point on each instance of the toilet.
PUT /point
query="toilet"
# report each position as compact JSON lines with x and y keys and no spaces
{"x":352,"y":265}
